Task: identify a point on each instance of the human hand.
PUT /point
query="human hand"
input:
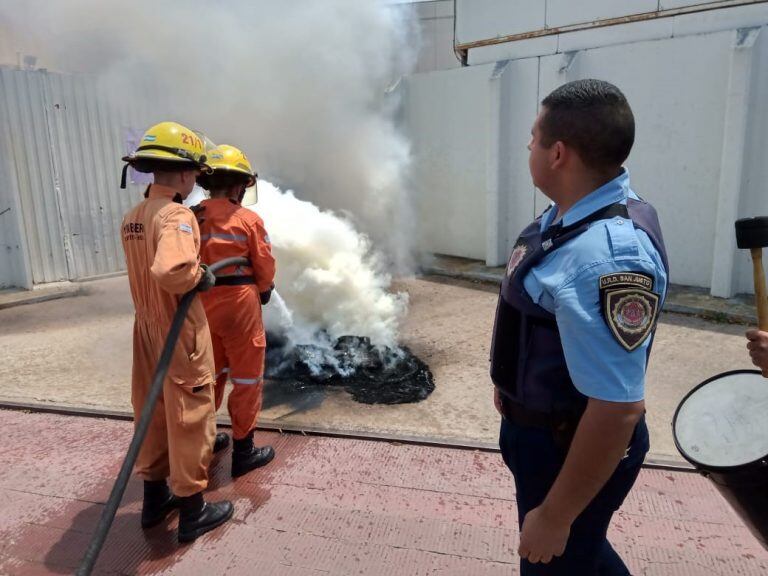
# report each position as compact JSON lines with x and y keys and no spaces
{"x":207,"y":280}
{"x":758,"y":349}
{"x":265,"y":296}
{"x":497,"y":400}
{"x":543,"y":536}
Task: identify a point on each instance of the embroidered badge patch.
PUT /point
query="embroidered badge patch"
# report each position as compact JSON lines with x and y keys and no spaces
{"x":518,"y":253}
{"x":184,"y":227}
{"x":629,"y":307}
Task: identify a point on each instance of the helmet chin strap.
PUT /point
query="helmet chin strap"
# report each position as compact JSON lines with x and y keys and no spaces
{"x":124,"y":176}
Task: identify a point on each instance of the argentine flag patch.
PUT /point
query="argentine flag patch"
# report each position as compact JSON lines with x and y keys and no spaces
{"x":185,"y":228}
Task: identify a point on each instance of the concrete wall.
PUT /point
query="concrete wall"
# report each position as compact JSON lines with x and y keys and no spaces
{"x":698,"y":84}
{"x":753,"y":200}
{"x":446,"y":115}
{"x":676,"y":91}
{"x":479,"y":20}
{"x":484,"y":19}
{"x":469,"y":129}
{"x":436,"y":19}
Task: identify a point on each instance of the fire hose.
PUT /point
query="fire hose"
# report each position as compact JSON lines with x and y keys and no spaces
{"x":140,"y":430}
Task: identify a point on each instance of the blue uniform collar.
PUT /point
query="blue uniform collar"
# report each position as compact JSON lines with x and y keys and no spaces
{"x":617,"y":190}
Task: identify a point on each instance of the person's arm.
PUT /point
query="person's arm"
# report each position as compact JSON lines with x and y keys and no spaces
{"x":600,"y":442}
{"x":758,"y":349}
{"x":176,"y":267}
{"x":262,"y":260}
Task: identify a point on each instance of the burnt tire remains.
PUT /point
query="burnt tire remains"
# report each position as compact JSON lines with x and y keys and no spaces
{"x":372,"y":375}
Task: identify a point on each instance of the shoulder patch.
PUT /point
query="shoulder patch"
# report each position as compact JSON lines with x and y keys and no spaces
{"x":629,"y":307}
{"x":518,"y":254}
{"x":184,"y":227}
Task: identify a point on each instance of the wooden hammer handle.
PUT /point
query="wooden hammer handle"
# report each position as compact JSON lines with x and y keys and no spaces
{"x":760,"y":294}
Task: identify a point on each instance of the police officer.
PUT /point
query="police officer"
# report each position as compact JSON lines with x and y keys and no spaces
{"x":574,"y":325}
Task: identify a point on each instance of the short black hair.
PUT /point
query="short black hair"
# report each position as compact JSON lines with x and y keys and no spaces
{"x":221,"y":179}
{"x":147,"y":165}
{"x":593,"y":117}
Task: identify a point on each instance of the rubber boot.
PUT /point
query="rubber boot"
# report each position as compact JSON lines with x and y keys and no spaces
{"x":196,"y":516}
{"x":247,"y":457}
{"x":221,"y":442}
{"x":158,"y":503}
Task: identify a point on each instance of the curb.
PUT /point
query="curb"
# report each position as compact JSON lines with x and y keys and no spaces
{"x":22,"y":297}
{"x":662,"y":462}
{"x":672,"y":305}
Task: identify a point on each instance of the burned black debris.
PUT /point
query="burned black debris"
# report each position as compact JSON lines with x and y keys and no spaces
{"x":371,"y":375}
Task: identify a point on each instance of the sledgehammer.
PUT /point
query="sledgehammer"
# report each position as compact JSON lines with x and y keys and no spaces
{"x":752,"y":233}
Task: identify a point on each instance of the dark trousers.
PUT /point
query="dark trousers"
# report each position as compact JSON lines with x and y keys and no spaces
{"x":535,"y":459}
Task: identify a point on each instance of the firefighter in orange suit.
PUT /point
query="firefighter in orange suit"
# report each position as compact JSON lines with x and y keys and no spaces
{"x":234,"y":305}
{"x":161,"y":240}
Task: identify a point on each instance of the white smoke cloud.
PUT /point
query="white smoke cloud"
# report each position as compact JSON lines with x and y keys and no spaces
{"x":301,"y":85}
{"x":328,"y":279}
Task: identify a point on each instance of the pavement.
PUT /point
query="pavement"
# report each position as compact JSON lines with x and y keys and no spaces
{"x":76,"y":352}
{"x":329,"y":506}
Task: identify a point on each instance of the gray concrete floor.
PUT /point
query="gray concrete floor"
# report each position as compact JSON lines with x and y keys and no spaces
{"x":77,"y":352}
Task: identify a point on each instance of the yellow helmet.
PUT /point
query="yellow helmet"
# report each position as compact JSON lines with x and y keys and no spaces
{"x":230,"y":159}
{"x":169,"y":143}
{"x":226,"y":159}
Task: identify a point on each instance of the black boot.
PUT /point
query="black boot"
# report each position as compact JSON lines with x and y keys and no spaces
{"x":158,"y":503}
{"x":247,"y":457}
{"x":221,"y":442}
{"x":196,"y":516}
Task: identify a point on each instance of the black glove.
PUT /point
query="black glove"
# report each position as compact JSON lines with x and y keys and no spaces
{"x":198,"y":210}
{"x":207,"y":280}
{"x":266,"y":295}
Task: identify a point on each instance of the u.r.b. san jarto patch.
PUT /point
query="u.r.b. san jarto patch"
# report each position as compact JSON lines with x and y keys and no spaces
{"x":629,"y":307}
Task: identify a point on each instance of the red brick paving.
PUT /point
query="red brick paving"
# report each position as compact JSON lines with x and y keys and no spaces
{"x":329,"y":506}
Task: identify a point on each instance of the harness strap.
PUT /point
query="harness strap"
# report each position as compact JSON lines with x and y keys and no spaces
{"x":234,"y":280}
{"x":611,"y":211}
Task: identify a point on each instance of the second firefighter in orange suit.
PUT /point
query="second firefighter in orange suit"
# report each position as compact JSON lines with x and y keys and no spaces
{"x":234,"y":305}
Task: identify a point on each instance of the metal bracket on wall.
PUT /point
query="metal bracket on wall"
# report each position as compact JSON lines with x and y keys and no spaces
{"x":498,"y":69}
{"x":746,"y":37}
{"x":568,"y":58}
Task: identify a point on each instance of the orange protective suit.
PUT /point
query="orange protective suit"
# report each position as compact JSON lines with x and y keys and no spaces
{"x":234,"y":312}
{"x":161,"y":240}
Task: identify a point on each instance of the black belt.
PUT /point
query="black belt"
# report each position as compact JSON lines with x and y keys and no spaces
{"x":522,"y":416}
{"x":562,"y":425}
{"x":234,"y":280}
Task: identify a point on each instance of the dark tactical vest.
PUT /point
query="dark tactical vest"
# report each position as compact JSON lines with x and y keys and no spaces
{"x":527,"y":360}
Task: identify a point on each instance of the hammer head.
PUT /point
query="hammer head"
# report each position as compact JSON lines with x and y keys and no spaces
{"x":752,"y":232}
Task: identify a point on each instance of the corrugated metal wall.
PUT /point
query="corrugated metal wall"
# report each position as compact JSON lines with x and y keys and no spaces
{"x":32,"y":168}
{"x":13,"y":262}
{"x":65,"y":135}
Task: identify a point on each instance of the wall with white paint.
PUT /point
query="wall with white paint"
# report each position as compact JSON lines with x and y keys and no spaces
{"x":446,"y":115}
{"x":697,"y":82}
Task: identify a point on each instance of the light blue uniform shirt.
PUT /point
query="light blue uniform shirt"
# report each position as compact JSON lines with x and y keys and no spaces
{"x":566,"y":283}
